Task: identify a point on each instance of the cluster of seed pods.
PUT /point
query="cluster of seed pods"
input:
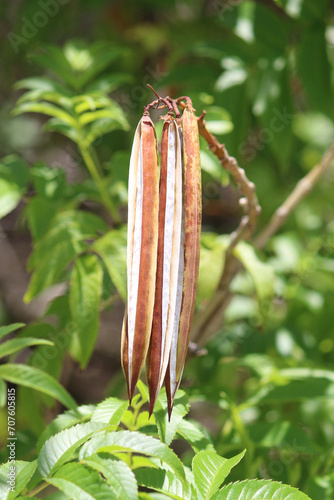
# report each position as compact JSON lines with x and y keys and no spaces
{"x":164,"y":224}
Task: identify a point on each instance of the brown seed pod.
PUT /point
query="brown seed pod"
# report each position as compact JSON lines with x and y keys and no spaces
{"x":166,"y":306}
{"x":192,"y":231}
{"x":143,"y":209}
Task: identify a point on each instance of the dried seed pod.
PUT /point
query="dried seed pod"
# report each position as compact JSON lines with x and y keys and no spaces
{"x":166,"y":306}
{"x":143,"y":209}
{"x":192,"y":231}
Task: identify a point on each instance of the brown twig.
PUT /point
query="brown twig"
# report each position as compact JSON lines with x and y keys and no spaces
{"x":247,"y":188}
{"x":302,"y":189}
{"x":208,"y":321}
{"x":155,"y":104}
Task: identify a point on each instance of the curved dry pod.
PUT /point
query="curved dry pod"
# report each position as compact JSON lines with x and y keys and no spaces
{"x":143,"y":206}
{"x":167,"y":300}
{"x":192,"y":232}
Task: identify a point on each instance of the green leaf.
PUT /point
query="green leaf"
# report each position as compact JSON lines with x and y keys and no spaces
{"x":91,"y":102}
{"x":34,"y":378}
{"x":196,"y":436}
{"x":91,"y":60}
{"x":211,"y":264}
{"x":218,"y":120}
{"x":312,"y":60}
{"x":166,"y":429}
{"x":60,"y":447}
{"x":210,"y":471}
{"x":270,"y":31}
{"x":85,"y":296}
{"x":231,"y":77}
{"x":56,"y":125}
{"x":49,"y":270}
{"x":23,"y":471}
{"x":165,"y":482}
{"x":14,"y":176}
{"x":15,"y":345}
{"x":92,"y":116}
{"x":108,"y":83}
{"x":110,"y":411}
{"x":211,"y":165}
{"x":40,"y":213}
{"x":74,"y":225}
{"x":63,"y":421}
{"x":3,"y":393}
{"x":322,"y":487}
{"x":48,"y":96}
{"x":295,"y":384}
{"x":282,"y":435}
{"x":4,"y":330}
{"x":259,"y":490}
{"x":152,"y":496}
{"x":50,"y":183}
{"x":42,"y":83}
{"x":262,"y":274}
{"x":314,"y":128}
{"x":274,"y":108}
{"x":46,"y":109}
{"x":112,"y":250}
{"x":118,"y":475}
{"x":53,"y":58}
{"x":58,"y":247}
{"x":102,"y":126}
{"x":314,"y":11}
{"x":80,"y":482}
{"x":135,"y":442}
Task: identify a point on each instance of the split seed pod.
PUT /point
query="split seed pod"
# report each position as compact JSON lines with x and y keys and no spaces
{"x":170,"y":252}
{"x":141,"y":251}
{"x":192,"y":231}
{"x":164,"y":224}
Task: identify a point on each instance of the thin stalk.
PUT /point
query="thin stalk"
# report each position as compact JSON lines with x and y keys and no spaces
{"x":36,"y":490}
{"x":90,"y":158}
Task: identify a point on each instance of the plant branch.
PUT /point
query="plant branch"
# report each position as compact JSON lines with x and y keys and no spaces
{"x":302,"y":189}
{"x":208,"y":321}
{"x":92,"y":164}
{"x":247,"y":188}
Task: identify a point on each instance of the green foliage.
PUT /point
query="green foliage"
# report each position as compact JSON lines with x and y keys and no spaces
{"x":263,"y":73}
{"x":29,"y":376}
{"x":98,"y":459}
{"x":14,"y":175}
{"x":85,"y":297}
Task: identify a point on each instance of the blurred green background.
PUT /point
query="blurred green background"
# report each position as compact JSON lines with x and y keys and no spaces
{"x":263,"y":71}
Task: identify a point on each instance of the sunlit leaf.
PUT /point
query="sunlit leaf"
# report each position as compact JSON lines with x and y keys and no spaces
{"x":60,"y":447}
{"x":165,"y":482}
{"x":78,"y":481}
{"x":126,"y":441}
{"x":14,"y":176}
{"x":118,"y":475}
{"x":34,"y":378}
{"x":14,"y":345}
{"x":210,"y":471}
{"x":254,"y":489}
{"x":22,"y":474}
